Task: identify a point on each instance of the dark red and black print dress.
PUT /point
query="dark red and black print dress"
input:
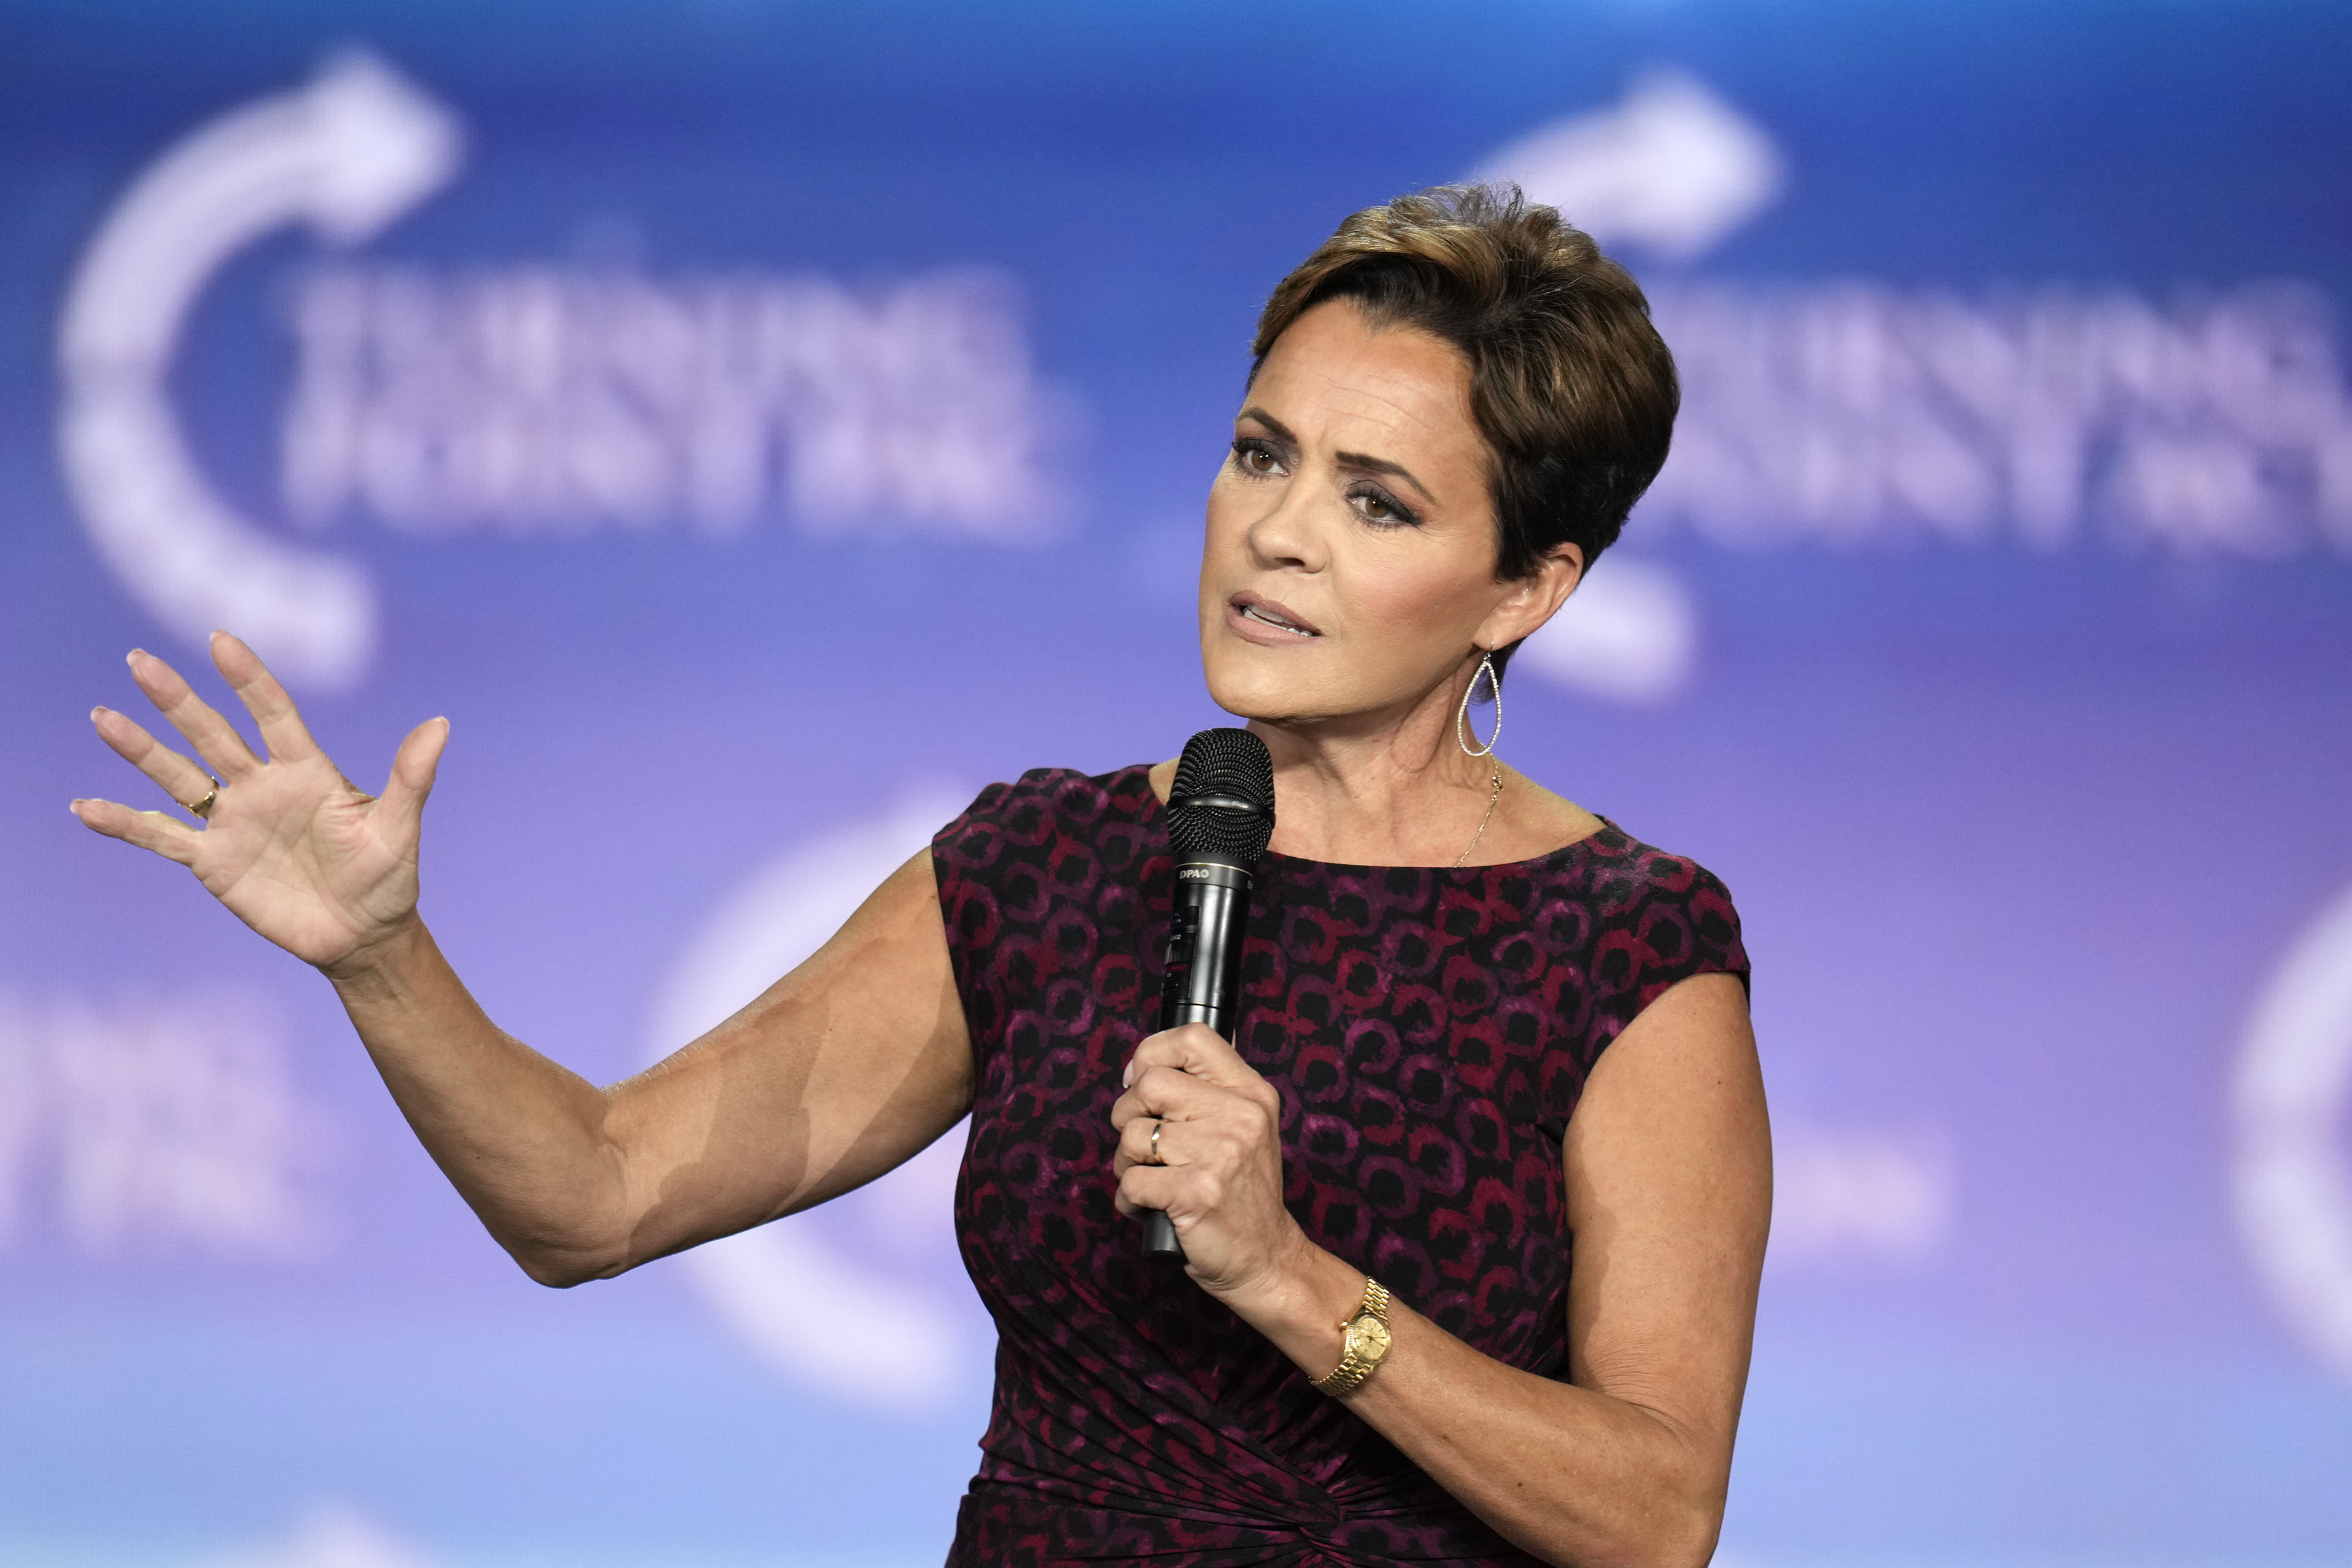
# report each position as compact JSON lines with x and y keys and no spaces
{"x":1430,"y":1030}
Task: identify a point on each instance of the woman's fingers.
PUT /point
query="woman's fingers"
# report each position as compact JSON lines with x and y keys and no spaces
{"x":1174,"y":1095}
{"x":174,"y":774}
{"x":1189,"y":1073}
{"x":1190,"y":1078}
{"x":148,"y":829}
{"x":1214,"y":1116}
{"x":214,"y":738}
{"x":1193,"y":1048}
{"x":1181,"y":1142}
{"x":1135,"y":1147}
{"x":283,"y":734}
{"x":1150,"y":1177}
{"x":1142,"y":1187}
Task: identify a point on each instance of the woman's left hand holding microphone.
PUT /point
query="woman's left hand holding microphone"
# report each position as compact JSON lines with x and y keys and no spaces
{"x":1217,"y":1169}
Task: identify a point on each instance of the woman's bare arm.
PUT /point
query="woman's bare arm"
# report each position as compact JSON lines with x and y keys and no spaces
{"x":1668,"y":1163}
{"x":844,"y":1068}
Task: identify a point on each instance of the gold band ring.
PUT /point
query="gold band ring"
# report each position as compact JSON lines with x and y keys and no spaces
{"x":203,"y":808}
{"x":1157,"y":1128}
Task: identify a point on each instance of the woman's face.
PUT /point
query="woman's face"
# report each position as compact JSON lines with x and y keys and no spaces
{"x":1350,"y":569}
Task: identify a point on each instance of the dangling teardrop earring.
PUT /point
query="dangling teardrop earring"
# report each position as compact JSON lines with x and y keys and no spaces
{"x":1462,"y":717}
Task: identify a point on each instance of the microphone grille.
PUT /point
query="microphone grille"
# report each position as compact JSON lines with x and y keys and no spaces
{"x":1223,"y":801}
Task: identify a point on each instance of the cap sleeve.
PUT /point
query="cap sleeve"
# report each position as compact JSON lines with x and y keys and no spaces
{"x":1041,"y":887}
{"x":1664,"y":919}
{"x":1660,"y":920}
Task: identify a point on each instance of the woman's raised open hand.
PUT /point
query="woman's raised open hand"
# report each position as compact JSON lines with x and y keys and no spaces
{"x":294,"y":849}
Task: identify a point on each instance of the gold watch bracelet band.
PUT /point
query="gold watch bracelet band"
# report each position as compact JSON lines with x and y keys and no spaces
{"x":1362,"y":1349}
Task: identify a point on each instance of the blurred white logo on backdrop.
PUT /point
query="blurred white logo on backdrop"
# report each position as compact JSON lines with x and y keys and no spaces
{"x":1869,"y":1193}
{"x":2291,"y":1155}
{"x":329,"y":1534}
{"x":542,"y":398}
{"x":154,"y":1127}
{"x":537,"y":397}
{"x":1630,"y":632}
{"x":1856,"y":415}
{"x":1673,"y":169}
{"x":346,"y":155}
{"x":863,"y":1298}
{"x":1852,"y":414}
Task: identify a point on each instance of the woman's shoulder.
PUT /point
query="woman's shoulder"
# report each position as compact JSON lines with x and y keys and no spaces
{"x":1045,"y":807}
{"x":1624,"y":868}
{"x":1670,"y":901}
{"x":1044,"y":793}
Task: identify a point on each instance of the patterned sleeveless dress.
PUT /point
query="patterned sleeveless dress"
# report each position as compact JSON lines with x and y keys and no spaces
{"x":1429,"y":1031}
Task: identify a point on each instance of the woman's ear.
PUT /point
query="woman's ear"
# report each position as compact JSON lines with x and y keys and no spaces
{"x":1528,"y":602}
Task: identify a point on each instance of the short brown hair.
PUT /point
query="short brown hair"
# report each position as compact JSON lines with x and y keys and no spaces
{"x":1571,"y":385}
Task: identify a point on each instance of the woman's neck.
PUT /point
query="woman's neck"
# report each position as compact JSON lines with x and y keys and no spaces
{"x":1405,"y":795}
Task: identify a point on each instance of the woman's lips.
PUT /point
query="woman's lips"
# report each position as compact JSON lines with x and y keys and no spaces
{"x":1264,"y":620}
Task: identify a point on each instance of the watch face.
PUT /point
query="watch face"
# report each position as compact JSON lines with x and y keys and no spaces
{"x":1368,"y":1338}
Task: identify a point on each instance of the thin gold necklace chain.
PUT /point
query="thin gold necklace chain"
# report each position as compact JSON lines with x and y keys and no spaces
{"x":1491,"y":799}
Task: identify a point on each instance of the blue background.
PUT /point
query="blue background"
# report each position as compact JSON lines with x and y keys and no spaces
{"x":2018,"y":835}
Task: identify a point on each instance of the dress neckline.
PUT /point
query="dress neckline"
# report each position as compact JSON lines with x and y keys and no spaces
{"x":1608,"y":828}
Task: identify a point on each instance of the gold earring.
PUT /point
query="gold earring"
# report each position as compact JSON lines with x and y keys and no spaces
{"x":1461,"y":716}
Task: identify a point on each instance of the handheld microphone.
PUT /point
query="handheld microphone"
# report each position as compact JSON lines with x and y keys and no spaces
{"x":1220,"y":817}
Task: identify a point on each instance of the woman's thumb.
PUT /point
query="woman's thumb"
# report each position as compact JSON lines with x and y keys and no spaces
{"x":414,"y":767}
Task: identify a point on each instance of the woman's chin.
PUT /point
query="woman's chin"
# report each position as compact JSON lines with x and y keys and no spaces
{"x":1257,"y":700}
{"x":1264,"y":702}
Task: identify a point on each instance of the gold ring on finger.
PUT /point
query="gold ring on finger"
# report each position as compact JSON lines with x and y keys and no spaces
{"x":203,"y":808}
{"x":1157,"y":1128}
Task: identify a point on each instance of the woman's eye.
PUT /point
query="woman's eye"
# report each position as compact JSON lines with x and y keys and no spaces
{"x":1384,"y":510}
{"x":1255,"y":459}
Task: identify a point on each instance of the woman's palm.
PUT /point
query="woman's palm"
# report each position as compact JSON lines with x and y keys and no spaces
{"x":300,"y":855}
{"x":291,"y":846}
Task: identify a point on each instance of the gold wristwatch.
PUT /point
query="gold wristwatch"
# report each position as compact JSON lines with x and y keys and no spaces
{"x":1366,"y":1342}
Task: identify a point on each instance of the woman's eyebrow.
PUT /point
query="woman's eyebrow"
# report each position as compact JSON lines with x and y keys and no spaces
{"x":1382,"y":466}
{"x":1280,"y":431}
{"x":1368,"y":464}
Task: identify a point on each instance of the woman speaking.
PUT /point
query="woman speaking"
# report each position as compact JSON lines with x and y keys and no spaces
{"x":1473,"y":1206}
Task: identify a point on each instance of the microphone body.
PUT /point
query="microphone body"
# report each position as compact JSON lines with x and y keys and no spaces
{"x":1219,"y":815}
{"x":1203,"y":972}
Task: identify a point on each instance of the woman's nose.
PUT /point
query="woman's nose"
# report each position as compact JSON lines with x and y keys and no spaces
{"x":1287,"y":533}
